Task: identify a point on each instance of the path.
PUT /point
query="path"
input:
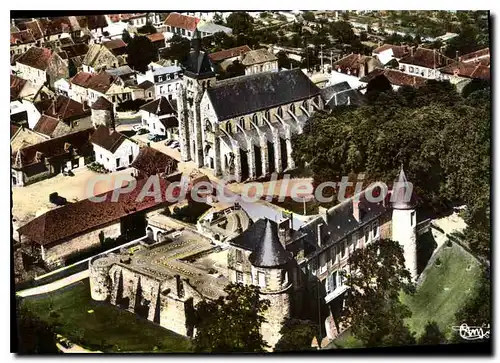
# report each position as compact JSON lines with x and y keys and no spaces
{"x":54,"y":285}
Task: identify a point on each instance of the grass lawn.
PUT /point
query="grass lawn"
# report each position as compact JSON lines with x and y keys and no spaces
{"x":444,"y":290}
{"x":107,"y":328}
{"x":345,"y":341}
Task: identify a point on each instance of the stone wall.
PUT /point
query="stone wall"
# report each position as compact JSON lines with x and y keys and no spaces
{"x":278,"y":311}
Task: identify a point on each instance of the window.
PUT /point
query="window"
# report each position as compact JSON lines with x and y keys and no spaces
{"x":268,"y":115}
{"x":375,"y":230}
{"x":130,"y":158}
{"x":162,"y":130}
{"x":100,"y":156}
{"x":117,"y":162}
{"x":183,"y":31}
{"x":241,"y":123}
{"x":413,"y":219}
{"x":322,"y":263}
{"x":313,"y":266}
{"x":107,"y":159}
{"x":342,"y":248}
{"x":292,"y":108}
{"x":189,"y":33}
{"x":367,"y":234}
{"x":305,"y":105}
{"x":331,"y":282}
{"x":239,"y":256}
{"x":410,"y":69}
{"x":280,"y":112}
{"x":354,"y":239}
{"x":261,"y":278}
{"x":228,"y":127}
{"x":239,"y":276}
{"x":330,"y":256}
{"x":150,"y":94}
{"x":255,"y":119}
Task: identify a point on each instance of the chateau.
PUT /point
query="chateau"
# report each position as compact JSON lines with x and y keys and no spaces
{"x":296,"y":263}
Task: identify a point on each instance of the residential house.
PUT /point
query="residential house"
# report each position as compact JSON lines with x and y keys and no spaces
{"x":396,"y":78}
{"x":21,"y":41}
{"x":41,"y":66}
{"x":387,"y":52}
{"x":356,"y":65}
{"x":180,"y":24}
{"x":166,"y":80}
{"x":96,"y":26}
{"x":112,"y":149}
{"x":125,"y":73}
{"x":460,"y":73}
{"x":424,"y":63}
{"x":341,"y":94}
{"x":208,"y":29}
{"x":481,"y":56}
{"x":158,"y":41}
{"x":102,"y":56}
{"x":84,"y":221}
{"x":160,"y":118}
{"x":228,"y":56}
{"x":51,"y":157}
{"x":258,"y":61}
{"x":153,"y":162}
{"x":21,"y":137}
{"x":74,"y":54}
{"x":135,"y":20}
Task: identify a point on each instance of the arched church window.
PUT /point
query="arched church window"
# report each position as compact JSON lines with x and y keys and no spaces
{"x":241,"y":123}
{"x":229,"y":128}
{"x":208,"y":126}
{"x":280,"y":112}
{"x":305,"y":105}
{"x":292,"y":108}
{"x":255,"y":119}
{"x":268,"y":115}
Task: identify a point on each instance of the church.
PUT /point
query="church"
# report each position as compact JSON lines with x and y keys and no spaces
{"x":241,"y":127}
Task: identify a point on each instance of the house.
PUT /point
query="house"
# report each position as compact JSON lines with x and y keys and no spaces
{"x":396,"y":78}
{"x":22,"y":137}
{"x":424,"y":63}
{"x":48,"y":158}
{"x":481,"y":56}
{"x":136,"y":20}
{"x":112,"y":149}
{"x":258,"y":61}
{"x":180,"y":24}
{"x":125,"y":73}
{"x":356,"y":65}
{"x":153,"y":162}
{"x":341,"y":94}
{"x":41,"y":66}
{"x":100,"y":57}
{"x":387,"y":52}
{"x":96,"y":25}
{"x":158,"y":40}
{"x":145,"y":90}
{"x":166,"y":80}
{"x":84,"y":221}
{"x":230,"y":54}
{"x":460,"y":73}
{"x":208,"y":29}
{"x":160,"y":118}
{"x":24,"y":98}
{"x":21,"y":41}
{"x":74,"y":54}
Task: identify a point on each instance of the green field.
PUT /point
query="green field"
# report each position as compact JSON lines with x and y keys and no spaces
{"x":106,"y":327}
{"x":444,"y":290}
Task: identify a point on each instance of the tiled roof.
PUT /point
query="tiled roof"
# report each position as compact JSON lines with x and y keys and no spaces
{"x":21,"y":37}
{"x":101,"y":82}
{"x":156,"y":37}
{"x":169,"y":122}
{"x":54,"y":147}
{"x":399,"y":51}
{"x":107,"y":139}
{"x":34,"y":27}
{"x":258,"y":56}
{"x":115,"y":44}
{"x":229,"y":53}
{"x":95,"y":21}
{"x":341,"y":94}
{"x":36,"y":57}
{"x":86,"y":215}
{"x":75,"y":50}
{"x":151,"y":162}
{"x":145,"y":85}
{"x":429,"y":58}
{"x":182,"y":21}
{"x":469,"y":70}
{"x":16,"y":86}
{"x":395,"y":77}
{"x":477,"y":54}
{"x":13,"y":130}
{"x":159,"y":107}
{"x":102,"y":104}
{"x":81,"y":79}
{"x":352,"y":61}
{"x":67,"y":109}
{"x":247,"y":94}
{"x":46,"y":125}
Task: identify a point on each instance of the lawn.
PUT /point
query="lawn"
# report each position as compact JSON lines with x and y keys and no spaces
{"x":106,"y":327}
{"x":444,"y":290}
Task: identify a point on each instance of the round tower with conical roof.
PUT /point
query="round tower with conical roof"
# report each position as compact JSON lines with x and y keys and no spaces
{"x":271,"y":272}
{"x":404,"y":221}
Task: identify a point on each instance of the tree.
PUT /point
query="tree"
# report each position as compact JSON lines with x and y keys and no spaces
{"x":235,"y":69}
{"x":126,"y":36}
{"x":147,"y":29}
{"x":178,"y":49}
{"x":218,"y":19}
{"x":296,"y":335}
{"x":240,"y":22}
{"x":345,"y":15}
{"x":378,"y":85}
{"x":373,"y":309}
{"x":232,"y":323}
{"x":140,"y":53}
{"x":308,"y":16}
{"x":432,"y":335}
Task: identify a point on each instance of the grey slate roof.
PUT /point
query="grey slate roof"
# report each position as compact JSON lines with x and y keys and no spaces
{"x":198,"y":65}
{"x":159,"y":107}
{"x":247,"y":94}
{"x":399,"y":201}
{"x":341,"y":94}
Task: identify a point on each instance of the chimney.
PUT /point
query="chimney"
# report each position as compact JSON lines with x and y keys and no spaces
{"x":320,"y":232}
{"x":283,"y":232}
{"x":323,"y":212}
{"x":456,"y":55}
{"x":112,"y":114}
{"x":411,"y":51}
{"x":356,"y":210}
{"x":180,"y":286}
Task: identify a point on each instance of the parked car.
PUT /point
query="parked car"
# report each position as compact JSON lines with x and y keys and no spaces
{"x":174,"y":145}
{"x":154,"y":138}
{"x":169,"y":142}
{"x":142,"y":131}
{"x":137,"y":127}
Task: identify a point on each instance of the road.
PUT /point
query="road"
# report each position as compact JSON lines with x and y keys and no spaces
{"x":54,"y":285}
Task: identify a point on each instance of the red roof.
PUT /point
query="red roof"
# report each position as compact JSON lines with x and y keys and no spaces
{"x":182,"y":21}
{"x":115,"y":44}
{"x":107,"y":139}
{"x":395,"y":77}
{"x":46,"y":125}
{"x":16,"y":86}
{"x":477,"y":54}
{"x":81,"y":79}
{"x":469,"y":70}
{"x":399,"y":51}
{"x":429,"y":58}
{"x":156,"y":37}
{"x":36,"y":57}
{"x":34,"y":27}
{"x":21,"y":37}
{"x":86,"y":215}
{"x":229,"y":53}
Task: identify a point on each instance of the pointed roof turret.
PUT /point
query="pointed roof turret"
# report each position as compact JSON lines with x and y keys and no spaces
{"x":269,"y":251}
{"x":402,"y":192}
{"x":198,"y":64}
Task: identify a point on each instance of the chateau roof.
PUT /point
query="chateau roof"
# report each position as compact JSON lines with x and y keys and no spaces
{"x":246,"y":94}
{"x":159,"y":107}
{"x":86,"y":214}
{"x":229,"y":53}
{"x":268,"y":252}
{"x":107,"y":139}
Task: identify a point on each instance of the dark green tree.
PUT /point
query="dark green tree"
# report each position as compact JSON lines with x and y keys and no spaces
{"x":140,"y":52}
{"x":178,"y":49}
{"x":126,"y":36}
{"x":235,"y":69}
{"x":218,"y":19}
{"x":240,"y":22}
{"x":232,"y":323}
{"x":147,"y":29}
{"x":296,"y":335}
{"x":308,"y":16}
{"x":373,"y":309}
{"x":432,"y":335}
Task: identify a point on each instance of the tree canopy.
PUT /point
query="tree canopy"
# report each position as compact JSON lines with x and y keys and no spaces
{"x":240,"y":22}
{"x":232,"y":323}
{"x":372,"y":307}
{"x":432,"y":335}
{"x":178,"y":50}
{"x":140,"y":52}
{"x":296,"y":335}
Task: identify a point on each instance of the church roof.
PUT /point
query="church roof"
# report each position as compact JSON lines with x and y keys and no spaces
{"x":341,"y":94}
{"x":247,"y":94}
{"x":269,"y":251}
{"x":159,"y":107}
{"x":198,"y":64}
